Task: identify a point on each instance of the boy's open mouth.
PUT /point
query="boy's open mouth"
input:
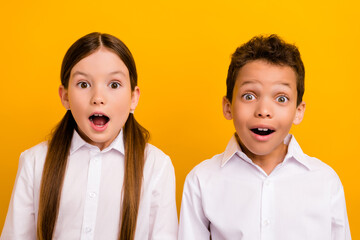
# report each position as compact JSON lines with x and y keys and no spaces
{"x":99,"y":119}
{"x":262,"y":131}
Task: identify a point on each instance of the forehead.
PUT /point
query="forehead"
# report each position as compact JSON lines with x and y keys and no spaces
{"x":101,"y":61}
{"x":263,"y":73}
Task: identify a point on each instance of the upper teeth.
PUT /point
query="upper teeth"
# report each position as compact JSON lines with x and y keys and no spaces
{"x":263,"y":129}
{"x":98,"y":115}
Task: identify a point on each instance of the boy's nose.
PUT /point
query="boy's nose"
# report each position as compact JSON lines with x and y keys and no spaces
{"x":263,"y":115}
{"x":263,"y":110}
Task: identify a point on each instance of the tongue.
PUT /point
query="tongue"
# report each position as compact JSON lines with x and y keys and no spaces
{"x":100,"y":121}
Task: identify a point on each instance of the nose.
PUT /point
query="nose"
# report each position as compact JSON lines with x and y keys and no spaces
{"x":263,"y":109}
{"x":98,"y":96}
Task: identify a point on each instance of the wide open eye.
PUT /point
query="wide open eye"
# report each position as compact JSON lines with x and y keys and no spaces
{"x":248,"y":97}
{"x":83,"y":84}
{"x":114,"y":85}
{"x":282,"y":99}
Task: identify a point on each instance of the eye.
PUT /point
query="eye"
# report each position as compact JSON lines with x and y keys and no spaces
{"x":115,"y":85}
{"x":83,"y":84}
{"x":282,"y":99}
{"x":248,"y":97}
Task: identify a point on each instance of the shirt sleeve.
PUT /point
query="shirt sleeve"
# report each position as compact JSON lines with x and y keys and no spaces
{"x":20,"y":219}
{"x":340,"y":229}
{"x":163,"y":212}
{"x":193,"y":223}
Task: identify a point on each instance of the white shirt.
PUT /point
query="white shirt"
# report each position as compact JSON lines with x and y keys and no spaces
{"x":230,"y":197}
{"x":90,"y":201}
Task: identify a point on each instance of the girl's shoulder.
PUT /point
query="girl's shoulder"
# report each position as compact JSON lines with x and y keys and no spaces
{"x":35,"y":154}
{"x":38,"y":149}
{"x":154,"y":152}
{"x":31,"y":163}
{"x":155,"y":156}
{"x":158,"y":165}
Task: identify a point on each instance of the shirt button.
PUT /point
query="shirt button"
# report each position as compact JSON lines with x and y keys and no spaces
{"x":88,"y":229}
{"x":267,"y":182}
{"x":92,"y":194}
{"x":266,"y":222}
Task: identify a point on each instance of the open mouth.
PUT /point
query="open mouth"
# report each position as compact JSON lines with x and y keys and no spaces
{"x":262,"y":131}
{"x":99,"y":120}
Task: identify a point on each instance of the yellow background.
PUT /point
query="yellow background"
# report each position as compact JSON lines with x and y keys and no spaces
{"x":182,"y":50}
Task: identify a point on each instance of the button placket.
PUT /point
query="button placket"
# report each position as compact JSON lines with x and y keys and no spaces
{"x":91,"y":200}
{"x":266,"y":208}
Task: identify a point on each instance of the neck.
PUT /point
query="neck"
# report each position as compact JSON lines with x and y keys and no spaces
{"x":269,"y":161}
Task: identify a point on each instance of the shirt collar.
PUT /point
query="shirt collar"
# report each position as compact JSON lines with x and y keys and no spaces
{"x":294,"y":151}
{"x":231,"y":149}
{"x":77,"y":143}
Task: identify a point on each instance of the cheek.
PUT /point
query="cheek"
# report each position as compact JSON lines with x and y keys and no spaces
{"x":287,"y":116}
{"x":76,"y":103}
{"x":240,"y":114}
{"x":75,"y":97}
{"x":122,"y":104}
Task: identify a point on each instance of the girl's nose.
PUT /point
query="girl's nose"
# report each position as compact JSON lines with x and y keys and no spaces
{"x":98,"y":97}
{"x":97,"y":100}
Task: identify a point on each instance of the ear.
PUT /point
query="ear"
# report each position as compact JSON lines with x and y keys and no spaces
{"x":63,"y":93}
{"x":135,"y":95}
{"x":227,"y":108}
{"x":299,"y":115}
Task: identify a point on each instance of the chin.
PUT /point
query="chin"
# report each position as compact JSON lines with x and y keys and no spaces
{"x":260,"y":151}
{"x":101,"y":140}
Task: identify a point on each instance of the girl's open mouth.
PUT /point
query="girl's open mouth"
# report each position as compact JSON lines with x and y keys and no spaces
{"x":99,"y":120}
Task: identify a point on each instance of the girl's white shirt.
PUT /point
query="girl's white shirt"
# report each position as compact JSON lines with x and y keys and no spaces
{"x":90,"y":202}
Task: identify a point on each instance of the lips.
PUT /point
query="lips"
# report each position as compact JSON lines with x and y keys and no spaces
{"x":99,"y":120}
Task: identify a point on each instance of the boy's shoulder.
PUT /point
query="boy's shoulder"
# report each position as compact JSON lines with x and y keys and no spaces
{"x":313,"y":164}
{"x":320,"y":174}
{"x":206,"y":169}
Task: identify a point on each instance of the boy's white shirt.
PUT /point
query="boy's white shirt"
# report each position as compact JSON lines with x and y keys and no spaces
{"x":90,"y":202}
{"x":230,"y":197}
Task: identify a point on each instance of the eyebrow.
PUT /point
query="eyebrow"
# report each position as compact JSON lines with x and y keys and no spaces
{"x":86,"y":75}
{"x":247,"y":82}
{"x":117,"y":72}
{"x":286,"y":84}
{"x":255,"y":82}
{"x":79,"y":73}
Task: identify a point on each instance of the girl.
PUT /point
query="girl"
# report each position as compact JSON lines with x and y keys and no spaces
{"x":97,"y":177}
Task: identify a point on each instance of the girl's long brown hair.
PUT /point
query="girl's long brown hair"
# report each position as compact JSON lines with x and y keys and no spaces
{"x":135,"y":139}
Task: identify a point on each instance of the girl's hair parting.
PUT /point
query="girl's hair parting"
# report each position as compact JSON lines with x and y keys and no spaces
{"x":135,"y":139}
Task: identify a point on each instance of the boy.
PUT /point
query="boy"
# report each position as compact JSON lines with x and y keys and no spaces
{"x":263,"y":186}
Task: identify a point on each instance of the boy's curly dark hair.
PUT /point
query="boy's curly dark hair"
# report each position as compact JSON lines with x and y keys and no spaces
{"x":271,"y":49}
